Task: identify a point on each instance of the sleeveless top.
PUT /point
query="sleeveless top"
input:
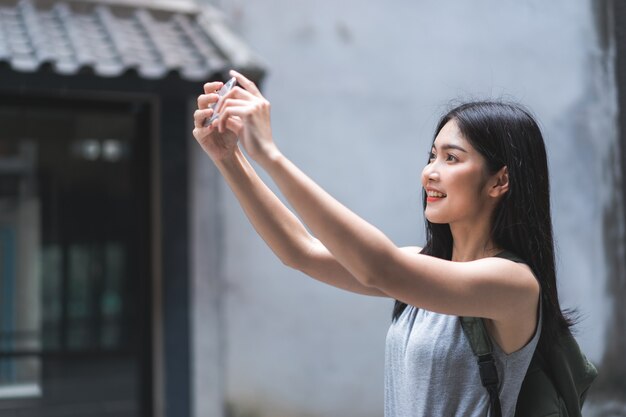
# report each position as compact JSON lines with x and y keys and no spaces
{"x":430,"y":369}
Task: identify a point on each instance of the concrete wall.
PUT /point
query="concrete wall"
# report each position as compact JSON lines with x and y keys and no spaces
{"x":356,"y":88}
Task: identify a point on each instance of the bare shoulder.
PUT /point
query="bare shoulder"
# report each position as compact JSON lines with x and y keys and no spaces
{"x":513,"y":272}
{"x":510,"y":287}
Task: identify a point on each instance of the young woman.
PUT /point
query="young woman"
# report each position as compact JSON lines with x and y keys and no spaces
{"x":489,"y":250}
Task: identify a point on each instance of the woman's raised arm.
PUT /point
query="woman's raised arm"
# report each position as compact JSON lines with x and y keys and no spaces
{"x":274,"y":222}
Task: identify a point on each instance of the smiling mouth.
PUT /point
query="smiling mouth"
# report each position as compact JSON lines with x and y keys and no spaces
{"x":433,"y":196}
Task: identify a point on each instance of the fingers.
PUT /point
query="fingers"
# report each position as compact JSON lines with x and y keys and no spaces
{"x":223,"y":123}
{"x":246,"y":83}
{"x":225,"y":115}
{"x":233,"y":107}
{"x":212,"y":87}
{"x":240,"y":93}
{"x":228,"y":103}
{"x":234,"y":124}
{"x":209,"y":98}
{"x":204,"y":100}
{"x":199,"y":116}
{"x":242,"y":108}
{"x":230,"y":112}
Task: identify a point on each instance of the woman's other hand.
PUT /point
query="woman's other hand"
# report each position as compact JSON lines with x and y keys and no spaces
{"x":246,"y":104}
{"x":218,"y":145}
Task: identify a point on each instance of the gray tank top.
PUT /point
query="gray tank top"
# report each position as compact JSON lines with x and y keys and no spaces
{"x":430,"y":369}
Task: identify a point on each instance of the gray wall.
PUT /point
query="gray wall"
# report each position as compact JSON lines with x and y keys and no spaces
{"x":356,"y":88}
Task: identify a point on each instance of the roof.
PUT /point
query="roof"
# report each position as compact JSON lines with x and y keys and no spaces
{"x":112,"y":37}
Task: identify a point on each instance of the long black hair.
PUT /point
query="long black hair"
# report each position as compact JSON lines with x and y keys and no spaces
{"x":506,"y":134}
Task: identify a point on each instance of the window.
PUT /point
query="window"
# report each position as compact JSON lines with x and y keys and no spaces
{"x":74,"y":257}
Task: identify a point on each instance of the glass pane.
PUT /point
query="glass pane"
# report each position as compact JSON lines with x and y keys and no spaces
{"x":111,"y":301}
{"x":20,"y":236}
{"x":51,"y":288}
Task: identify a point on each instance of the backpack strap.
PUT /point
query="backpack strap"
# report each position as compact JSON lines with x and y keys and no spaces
{"x":476,"y":333}
{"x":510,"y":256}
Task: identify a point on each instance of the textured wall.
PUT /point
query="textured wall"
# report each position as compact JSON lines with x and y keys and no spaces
{"x":356,"y":88}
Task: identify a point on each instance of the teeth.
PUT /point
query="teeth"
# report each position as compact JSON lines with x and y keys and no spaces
{"x":435,"y":194}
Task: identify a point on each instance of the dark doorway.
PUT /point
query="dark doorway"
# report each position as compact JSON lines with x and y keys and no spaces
{"x":75,"y":257}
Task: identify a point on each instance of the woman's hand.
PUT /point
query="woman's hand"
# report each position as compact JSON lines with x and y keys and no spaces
{"x":218,"y":145}
{"x":245,"y":104}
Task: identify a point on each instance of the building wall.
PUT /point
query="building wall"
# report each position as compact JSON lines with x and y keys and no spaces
{"x":356,"y":88}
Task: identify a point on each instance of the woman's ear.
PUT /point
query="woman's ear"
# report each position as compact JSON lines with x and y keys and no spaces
{"x":500,"y":184}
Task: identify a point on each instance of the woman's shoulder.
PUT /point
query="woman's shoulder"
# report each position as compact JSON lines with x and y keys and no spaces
{"x":514,"y":257}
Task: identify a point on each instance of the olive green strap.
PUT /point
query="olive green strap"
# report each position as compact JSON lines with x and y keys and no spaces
{"x":474,"y":329}
{"x":510,"y":256}
{"x":476,"y":332}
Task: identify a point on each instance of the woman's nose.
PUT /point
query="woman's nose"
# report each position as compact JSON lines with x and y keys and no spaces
{"x":430,"y":173}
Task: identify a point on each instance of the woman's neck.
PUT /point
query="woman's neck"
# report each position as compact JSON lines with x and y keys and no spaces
{"x":471,"y":242}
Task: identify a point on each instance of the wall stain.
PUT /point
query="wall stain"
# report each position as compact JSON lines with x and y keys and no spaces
{"x":344,"y":33}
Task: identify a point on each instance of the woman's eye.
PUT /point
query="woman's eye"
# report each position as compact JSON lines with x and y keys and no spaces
{"x":431,"y":156}
{"x":451,"y":158}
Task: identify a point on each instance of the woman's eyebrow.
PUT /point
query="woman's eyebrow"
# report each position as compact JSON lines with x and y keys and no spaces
{"x":447,"y":146}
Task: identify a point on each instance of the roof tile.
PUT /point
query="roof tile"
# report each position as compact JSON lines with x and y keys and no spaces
{"x":112,"y":39}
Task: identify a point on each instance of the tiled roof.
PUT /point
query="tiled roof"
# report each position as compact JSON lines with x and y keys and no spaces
{"x":109,"y":39}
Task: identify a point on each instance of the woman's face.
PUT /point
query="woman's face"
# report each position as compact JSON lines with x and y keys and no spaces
{"x":455,"y":179}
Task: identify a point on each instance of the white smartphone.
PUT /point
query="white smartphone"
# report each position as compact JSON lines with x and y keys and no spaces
{"x":223,"y":91}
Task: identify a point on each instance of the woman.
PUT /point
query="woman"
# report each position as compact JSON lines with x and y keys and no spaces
{"x":489,"y":250}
